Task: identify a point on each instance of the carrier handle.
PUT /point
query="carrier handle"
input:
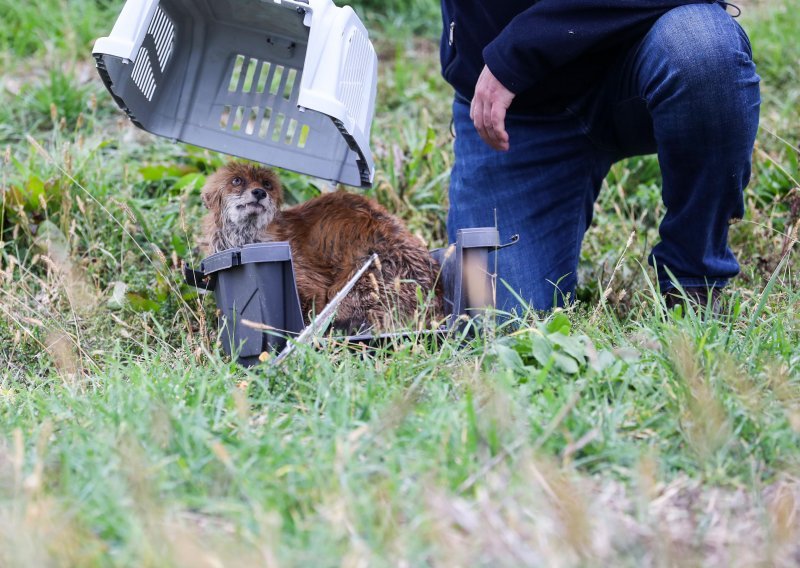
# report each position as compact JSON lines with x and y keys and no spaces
{"x":198,"y":279}
{"x":511,"y":242}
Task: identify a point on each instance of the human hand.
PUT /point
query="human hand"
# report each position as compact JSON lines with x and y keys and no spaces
{"x":488,"y":110}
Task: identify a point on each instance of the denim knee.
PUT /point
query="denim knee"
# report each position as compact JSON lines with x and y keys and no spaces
{"x":701,"y":52}
{"x":696,"y":72}
{"x":701,"y":44}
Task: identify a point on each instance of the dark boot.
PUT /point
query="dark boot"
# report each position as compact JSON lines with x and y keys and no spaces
{"x":699,"y":297}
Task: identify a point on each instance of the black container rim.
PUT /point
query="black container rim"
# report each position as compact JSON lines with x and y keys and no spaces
{"x":222,"y":260}
{"x":265,"y":252}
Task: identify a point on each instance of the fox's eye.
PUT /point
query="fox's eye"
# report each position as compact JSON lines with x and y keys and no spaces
{"x":267,"y":184}
{"x":236,"y":182}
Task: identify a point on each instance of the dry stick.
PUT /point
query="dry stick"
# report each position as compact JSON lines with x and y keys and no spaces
{"x":320,"y":323}
{"x":258,"y":326}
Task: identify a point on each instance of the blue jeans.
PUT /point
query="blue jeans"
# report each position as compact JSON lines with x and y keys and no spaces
{"x":687,"y":91}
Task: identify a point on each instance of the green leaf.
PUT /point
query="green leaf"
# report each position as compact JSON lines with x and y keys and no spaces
{"x":34,"y":189}
{"x":157,"y":173}
{"x":603,"y":361}
{"x":566,"y":363}
{"x":541,"y":349}
{"x":559,"y":324}
{"x":508,"y":358}
{"x":430,"y":141}
{"x":189,"y":295}
{"x":140,"y":303}
{"x":571,"y":345}
{"x":179,"y":245}
{"x":190,"y":181}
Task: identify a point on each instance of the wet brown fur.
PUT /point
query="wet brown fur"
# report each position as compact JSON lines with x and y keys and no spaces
{"x":331,"y":236}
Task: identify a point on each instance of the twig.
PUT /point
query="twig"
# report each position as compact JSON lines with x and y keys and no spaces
{"x":320,"y":323}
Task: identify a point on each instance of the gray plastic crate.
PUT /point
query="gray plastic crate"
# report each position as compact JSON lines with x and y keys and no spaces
{"x":257,"y":283}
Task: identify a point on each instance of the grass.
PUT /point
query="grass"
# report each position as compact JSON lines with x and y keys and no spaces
{"x":611,"y":433}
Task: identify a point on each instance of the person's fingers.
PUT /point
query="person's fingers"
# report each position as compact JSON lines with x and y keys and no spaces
{"x":479,"y":118}
{"x":498,"y":121}
{"x":481,"y":115}
{"x":482,"y":125}
{"x":477,"y":115}
{"x":488,"y":110}
{"x":488,"y":124}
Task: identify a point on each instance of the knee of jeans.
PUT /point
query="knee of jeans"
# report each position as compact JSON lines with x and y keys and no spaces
{"x":699,"y":46}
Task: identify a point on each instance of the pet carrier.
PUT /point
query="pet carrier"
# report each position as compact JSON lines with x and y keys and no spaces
{"x":289,"y":83}
{"x":256,"y":293}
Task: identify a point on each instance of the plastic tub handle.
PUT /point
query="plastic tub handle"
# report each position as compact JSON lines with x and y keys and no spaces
{"x":198,"y":279}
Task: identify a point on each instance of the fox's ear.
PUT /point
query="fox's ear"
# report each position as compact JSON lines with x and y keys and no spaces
{"x":205,"y":197}
{"x":211,"y":194}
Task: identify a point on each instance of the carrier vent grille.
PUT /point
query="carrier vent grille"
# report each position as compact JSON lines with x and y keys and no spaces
{"x":357,"y":65}
{"x":154,"y":54}
{"x":256,"y":92}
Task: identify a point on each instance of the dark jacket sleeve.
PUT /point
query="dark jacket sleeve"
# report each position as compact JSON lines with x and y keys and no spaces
{"x":553,"y":33}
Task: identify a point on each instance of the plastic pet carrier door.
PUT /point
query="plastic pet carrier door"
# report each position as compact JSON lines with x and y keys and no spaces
{"x":290,"y":83}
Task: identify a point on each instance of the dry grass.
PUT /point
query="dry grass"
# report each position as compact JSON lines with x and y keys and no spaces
{"x":561,"y":518}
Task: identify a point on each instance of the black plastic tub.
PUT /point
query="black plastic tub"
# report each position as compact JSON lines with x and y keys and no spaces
{"x":256,"y":283}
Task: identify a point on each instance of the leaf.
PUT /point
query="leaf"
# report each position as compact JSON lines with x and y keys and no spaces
{"x":559,"y":324}
{"x":520,"y":343}
{"x":189,"y":295}
{"x":508,"y":358}
{"x":573,"y":346}
{"x":541,"y":349}
{"x":162,"y":292}
{"x":566,"y":363}
{"x":140,"y":303}
{"x":157,"y":173}
{"x":117,"y":299}
{"x":190,"y":181}
{"x":179,"y":245}
{"x":430,"y":141}
{"x":14,"y":196}
{"x":34,"y":189}
{"x":602,"y":361}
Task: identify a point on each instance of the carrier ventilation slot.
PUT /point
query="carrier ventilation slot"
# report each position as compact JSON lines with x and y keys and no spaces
{"x":359,"y":54}
{"x":273,"y":86}
{"x":154,"y":54}
{"x":249,"y":75}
